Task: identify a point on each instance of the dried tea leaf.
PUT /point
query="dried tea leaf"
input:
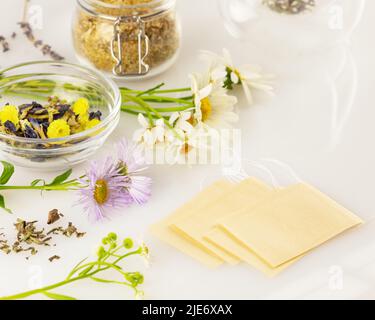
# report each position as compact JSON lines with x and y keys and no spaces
{"x":53,"y":216}
{"x":53,"y":258}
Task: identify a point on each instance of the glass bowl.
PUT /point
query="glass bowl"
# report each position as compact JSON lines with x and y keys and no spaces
{"x":37,"y":81}
{"x":318,"y":28}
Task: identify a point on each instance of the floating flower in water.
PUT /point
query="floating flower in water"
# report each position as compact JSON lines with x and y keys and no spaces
{"x":131,"y":164}
{"x":105,"y":190}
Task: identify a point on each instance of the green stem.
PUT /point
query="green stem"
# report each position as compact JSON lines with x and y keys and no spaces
{"x":62,"y":187}
{"x":146,"y":105}
{"x":171,"y":109}
{"x":157,"y":91}
{"x":71,"y":280}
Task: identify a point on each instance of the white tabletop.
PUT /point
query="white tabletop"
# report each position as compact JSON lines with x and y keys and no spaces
{"x":318,"y":126}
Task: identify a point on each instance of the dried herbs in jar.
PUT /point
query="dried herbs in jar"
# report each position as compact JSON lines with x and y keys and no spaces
{"x":127,"y":37}
{"x":290,"y":6}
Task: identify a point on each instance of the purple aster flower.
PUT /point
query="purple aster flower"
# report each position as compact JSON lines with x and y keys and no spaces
{"x":131,"y":163}
{"x":105,"y":190}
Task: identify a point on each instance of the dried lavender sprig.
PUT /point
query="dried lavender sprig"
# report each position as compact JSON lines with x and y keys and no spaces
{"x":39,"y":44}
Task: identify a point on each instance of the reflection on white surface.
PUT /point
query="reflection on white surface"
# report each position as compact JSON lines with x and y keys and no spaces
{"x":344,"y":87}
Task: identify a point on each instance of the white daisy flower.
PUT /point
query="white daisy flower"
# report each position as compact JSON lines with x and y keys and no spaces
{"x":250,"y":77}
{"x":213,"y":106}
{"x":149,"y":134}
{"x":180,"y":120}
{"x":188,"y":143}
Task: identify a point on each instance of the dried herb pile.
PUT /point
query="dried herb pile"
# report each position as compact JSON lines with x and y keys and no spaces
{"x":56,"y":119}
{"x":4,"y":44}
{"x":93,"y":35}
{"x":29,"y":238}
{"x":290,"y":6}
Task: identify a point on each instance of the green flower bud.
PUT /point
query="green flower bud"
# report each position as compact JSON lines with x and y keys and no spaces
{"x":101,"y":252}
{"x":135,"y":278}
{"x":105,"y":241}
{"x":128,"y":243}
{"x":112,"y":236}
{"x":113,"y":245}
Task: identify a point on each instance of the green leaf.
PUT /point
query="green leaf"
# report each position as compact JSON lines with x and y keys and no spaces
{"x":8,"y":170}
{"x":37,"y":181}
{"x":61,"y":178}
{"x":2,"y":204}
{"x":86,"y":271}
{"x":56,"y":296}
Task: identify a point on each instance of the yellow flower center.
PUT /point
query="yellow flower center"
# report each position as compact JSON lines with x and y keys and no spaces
{"x":101,"y":191}
{"x":185,"y":149}
{"x":206,"y":109}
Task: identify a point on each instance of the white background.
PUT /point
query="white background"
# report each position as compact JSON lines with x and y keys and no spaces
{"x":320,"y":124}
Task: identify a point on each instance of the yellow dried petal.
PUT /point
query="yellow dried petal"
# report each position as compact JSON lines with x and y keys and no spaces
{"x":9,"y":113}
{"x":81,"y":107}
{"x":92,"y":123}
{"x":58,"y":129}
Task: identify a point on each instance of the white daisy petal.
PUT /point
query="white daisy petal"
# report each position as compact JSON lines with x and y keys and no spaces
{"x":142,"y":121}
{"x":205,"y":92}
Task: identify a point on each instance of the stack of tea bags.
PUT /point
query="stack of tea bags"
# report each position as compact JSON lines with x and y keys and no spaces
{"x":251,"y":222}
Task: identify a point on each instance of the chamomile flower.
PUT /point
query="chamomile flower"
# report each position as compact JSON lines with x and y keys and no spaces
{"x":9,"y":113}
{"x":149,"y":134}
{"x":92,"y":123}
{"x":58,"y":129}
{"x":185,"y":145}
{"x":249,"y":77}
{"x":81,"y":107}
{"x":180,"y":120}
{"x":213,"y":106}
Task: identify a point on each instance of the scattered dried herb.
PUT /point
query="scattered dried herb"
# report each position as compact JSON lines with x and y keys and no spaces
{"x":93,"y":34}
{"x":56,"y":119}
{"x":53,"y":216}
{"x":29,"y":237}
{"x":4,"y":246}
{"x":290,"y":6}
{"x":68,"y":232}
{"x":4,"y":43}
{"x":53,"y":258}
{"x":109,"y":257}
